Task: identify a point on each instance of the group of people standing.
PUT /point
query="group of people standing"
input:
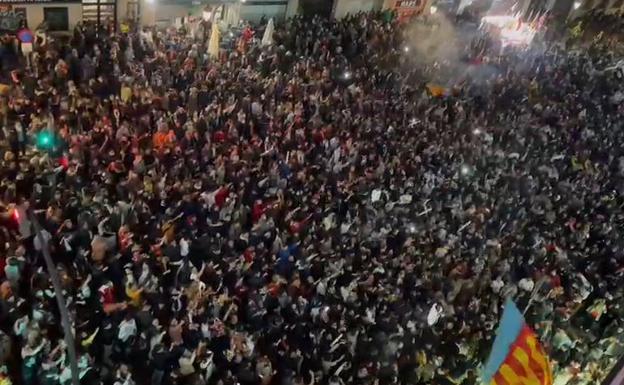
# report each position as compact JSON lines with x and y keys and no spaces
{"x":306,"y":212}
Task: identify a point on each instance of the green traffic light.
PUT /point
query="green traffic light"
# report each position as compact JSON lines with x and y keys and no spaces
{"x":44,"y":140}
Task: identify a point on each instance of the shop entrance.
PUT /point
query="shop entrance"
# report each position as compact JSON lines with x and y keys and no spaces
{"x":100,"y":12}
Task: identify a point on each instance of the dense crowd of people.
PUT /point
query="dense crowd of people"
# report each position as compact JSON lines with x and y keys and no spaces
{"x":306,"y":212}
{"x":597,"y":21}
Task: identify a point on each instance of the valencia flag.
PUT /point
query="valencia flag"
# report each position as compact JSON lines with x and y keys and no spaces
{"x":517,"y":357}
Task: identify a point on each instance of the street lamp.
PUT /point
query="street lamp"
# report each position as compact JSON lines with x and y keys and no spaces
{"x":465,"y":172}
{"x":577,"y":4}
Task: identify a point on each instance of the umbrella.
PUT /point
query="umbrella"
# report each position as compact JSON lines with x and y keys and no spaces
{"x":213,"y":45}
{"x":267,"y":38}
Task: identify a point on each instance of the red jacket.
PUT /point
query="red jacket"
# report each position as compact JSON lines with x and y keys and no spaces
{"x":220,"y":196}
{"x":257,"y":211}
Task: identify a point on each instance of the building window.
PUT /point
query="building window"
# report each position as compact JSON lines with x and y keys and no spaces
{"x":56,"y":18}
{"x":11,"y":19}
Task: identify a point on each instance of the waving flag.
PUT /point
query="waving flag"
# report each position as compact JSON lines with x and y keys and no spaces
{"x":215,"y":39}
{"x":267,"y":38}
{"x":436,"y":90}
{"x":517,"y":358}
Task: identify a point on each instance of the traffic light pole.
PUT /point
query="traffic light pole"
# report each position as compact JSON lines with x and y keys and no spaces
{"x":60,"y":300}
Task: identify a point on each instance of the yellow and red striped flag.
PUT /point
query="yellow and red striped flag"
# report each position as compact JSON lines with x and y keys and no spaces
{"x":517,"y":357}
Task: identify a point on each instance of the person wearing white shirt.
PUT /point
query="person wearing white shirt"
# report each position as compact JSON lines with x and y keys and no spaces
{"x":127,"y":328}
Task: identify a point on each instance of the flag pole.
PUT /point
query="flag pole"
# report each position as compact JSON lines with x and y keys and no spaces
{"x":539,"y":285}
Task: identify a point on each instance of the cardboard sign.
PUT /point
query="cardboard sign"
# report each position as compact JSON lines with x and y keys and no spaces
{"x":27,"y":48}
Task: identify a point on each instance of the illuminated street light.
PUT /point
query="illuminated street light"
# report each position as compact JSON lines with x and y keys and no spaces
{"x":476,"y":131}
{"x":576,"y":5}
{"x":347,"y":75}
{"x":406,"y":49}
{"x":433,"y":9}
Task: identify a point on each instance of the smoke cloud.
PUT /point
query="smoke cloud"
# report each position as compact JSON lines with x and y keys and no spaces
{"x":442,"y":49}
